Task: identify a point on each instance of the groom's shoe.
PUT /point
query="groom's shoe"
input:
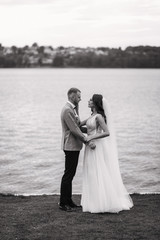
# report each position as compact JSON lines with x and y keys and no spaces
{"x":73,"y":205}
{"x":66,"y":208}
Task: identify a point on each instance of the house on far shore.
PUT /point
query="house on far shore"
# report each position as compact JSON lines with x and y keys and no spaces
{"x":33,"y":60}
{"x":48,"y":50}
{"x":7,"y":50}
{"x":46,"y":61}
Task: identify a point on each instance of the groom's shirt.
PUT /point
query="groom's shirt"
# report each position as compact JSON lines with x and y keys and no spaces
{"x":74,"y":108}
{"x":75,"y":112}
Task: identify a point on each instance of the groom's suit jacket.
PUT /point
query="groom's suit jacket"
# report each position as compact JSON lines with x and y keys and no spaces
{"x":72,"y":137}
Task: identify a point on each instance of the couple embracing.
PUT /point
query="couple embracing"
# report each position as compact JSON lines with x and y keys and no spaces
{"x":102,"y":189}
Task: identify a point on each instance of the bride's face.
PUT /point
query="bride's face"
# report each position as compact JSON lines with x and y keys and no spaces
{"x":90,"y":103}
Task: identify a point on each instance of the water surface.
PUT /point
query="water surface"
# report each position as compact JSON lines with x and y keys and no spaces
{"x":31,"y":161}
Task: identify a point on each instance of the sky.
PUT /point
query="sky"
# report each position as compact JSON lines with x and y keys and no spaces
{"x":80,"y":23}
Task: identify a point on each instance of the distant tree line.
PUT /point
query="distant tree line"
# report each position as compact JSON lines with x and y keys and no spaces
{"x":102,"y":57}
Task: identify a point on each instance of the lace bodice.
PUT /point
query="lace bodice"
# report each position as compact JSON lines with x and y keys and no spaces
{"x":92,"y":126}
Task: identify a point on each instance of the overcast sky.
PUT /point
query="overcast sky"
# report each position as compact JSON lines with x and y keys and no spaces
{"x":109,"y":23}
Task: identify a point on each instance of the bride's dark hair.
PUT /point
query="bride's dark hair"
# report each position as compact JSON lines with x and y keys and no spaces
{"x":97,"y":101}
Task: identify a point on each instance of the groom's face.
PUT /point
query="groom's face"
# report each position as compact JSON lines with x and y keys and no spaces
{"x":76,"y":98}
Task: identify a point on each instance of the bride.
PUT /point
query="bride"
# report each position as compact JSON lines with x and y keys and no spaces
{"x":103,"y":189}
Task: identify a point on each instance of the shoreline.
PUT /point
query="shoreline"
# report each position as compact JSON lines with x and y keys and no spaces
{"x":58,"y":194}
{"x":39,"y":218}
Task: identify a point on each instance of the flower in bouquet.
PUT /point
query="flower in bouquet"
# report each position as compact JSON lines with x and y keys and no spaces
{"x":92,"y":145}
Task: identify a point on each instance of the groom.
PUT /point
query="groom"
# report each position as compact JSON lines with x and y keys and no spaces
{"x":72,"y":141}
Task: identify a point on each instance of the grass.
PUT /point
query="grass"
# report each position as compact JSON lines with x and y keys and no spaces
{"x":38,"y":218}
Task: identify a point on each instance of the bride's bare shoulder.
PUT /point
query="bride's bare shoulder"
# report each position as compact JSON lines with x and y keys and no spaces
{"x":99,"y":117}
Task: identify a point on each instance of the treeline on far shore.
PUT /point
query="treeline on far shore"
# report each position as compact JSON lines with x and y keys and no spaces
{"x":100,"y":57}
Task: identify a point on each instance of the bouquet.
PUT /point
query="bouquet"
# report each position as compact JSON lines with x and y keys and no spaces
{"x":92,"y":145}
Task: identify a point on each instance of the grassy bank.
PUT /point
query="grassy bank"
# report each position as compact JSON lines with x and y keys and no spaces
{"x":38,"y":218}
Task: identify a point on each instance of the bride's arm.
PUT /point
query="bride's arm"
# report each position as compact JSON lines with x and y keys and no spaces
{"x":105,"y":133}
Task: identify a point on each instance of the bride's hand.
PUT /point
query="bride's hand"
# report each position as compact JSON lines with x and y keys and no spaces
{"x":89,"y":138}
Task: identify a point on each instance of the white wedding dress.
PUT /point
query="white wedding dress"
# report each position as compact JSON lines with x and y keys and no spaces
{"x":102,"y":189}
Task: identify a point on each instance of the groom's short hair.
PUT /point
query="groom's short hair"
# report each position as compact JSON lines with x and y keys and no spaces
{"x":72,"y":90}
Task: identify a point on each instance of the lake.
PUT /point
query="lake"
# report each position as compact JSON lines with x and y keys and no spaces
{"x":31,"y":160}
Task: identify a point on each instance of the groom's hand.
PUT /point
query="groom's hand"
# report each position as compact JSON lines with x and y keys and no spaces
{"x":85,"y":140}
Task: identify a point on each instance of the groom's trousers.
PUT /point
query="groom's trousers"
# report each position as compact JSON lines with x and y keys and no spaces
{"x":71,"y":162}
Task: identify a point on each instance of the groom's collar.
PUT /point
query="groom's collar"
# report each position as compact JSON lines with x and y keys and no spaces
{"x":71,"y":104}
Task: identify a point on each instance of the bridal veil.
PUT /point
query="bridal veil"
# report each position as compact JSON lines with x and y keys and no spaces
{"x":112,"y":160}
